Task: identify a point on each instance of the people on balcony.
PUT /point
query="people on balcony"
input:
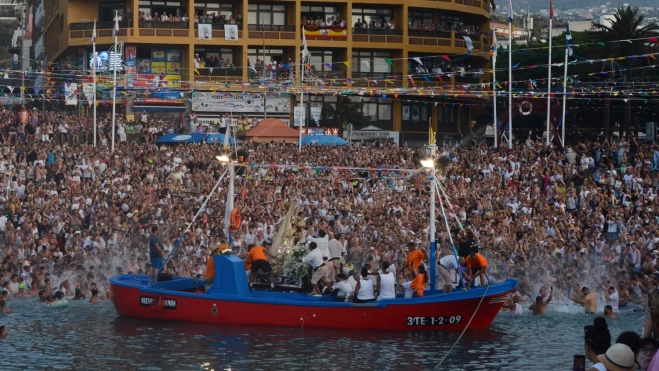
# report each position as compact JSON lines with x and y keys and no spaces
{"x":456,"y":27}
{"x":164,"y":17}
{"x":380,"y":23}
{"x":217,"y":19}
{"x":331,"y":21}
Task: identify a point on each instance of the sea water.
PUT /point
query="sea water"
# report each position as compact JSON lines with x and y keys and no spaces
{"x":94,"y":337}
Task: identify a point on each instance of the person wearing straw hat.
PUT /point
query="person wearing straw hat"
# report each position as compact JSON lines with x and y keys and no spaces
{"x":619,"y":357}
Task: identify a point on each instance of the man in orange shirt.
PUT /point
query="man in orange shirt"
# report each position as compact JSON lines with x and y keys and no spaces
{"x":415,"y":258}
{"x":258,"y":262}
{"x":477,"y":264}
{"x":210,"y":267}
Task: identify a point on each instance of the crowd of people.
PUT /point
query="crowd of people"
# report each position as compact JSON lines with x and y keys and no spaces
{"x":76,"y":213}
{"x":457,"y":27}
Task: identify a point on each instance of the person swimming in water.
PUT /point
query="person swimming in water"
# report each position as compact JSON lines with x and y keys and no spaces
{"x":589,"y":300}
{"x":94,"y":299}
{"x":540,"y":304}
{"x":4,"y":308}
{"x":3,"y":331}
{"x":608,"y":312}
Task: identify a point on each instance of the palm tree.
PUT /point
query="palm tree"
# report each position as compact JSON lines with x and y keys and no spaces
{"x":625,"y":37}
{"x":344,"y":112}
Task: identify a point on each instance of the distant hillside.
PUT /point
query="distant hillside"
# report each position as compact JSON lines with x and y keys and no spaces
{"x":538,"y":5}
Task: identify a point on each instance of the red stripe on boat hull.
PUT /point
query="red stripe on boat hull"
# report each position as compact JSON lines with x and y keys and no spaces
{"x":358,"y":316}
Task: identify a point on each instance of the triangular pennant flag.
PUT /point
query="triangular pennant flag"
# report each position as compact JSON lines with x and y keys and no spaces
{"x":446,"y":57}
{"x":389,"y":62}
{"x":653,"y":39}
{"x":11,"y":89}
{"x":328,"y":65}
{"x":516,"y":65}
{"x":418,"y":60}
{"x":347,"y":64}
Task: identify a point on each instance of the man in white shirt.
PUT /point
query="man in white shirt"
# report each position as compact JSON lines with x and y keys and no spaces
{"x":322,"y":242}
{"x":335,"y":249}
{"x":612,"y":298}
{"x":315,"y":259}
{"x":344,"y":288}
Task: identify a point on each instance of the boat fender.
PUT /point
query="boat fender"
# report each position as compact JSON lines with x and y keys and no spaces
{"x":158,"y":304}
{"x":214,"y":310}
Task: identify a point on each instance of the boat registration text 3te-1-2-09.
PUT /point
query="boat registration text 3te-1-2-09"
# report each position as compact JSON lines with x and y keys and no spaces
{"x":433,"y":321}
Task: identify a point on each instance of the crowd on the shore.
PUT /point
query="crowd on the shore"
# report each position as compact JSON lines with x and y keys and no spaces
{"x":79,"y":214}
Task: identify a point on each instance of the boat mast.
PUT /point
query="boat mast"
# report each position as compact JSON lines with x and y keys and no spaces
{"x":187,"y":229}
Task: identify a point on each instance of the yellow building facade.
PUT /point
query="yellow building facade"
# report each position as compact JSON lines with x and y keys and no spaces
{"x":401,"y":42}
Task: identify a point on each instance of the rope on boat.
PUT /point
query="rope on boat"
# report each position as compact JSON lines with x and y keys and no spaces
{"x":448,"y":201}
{"x":465,"y":329}
{"x":187,"y":229}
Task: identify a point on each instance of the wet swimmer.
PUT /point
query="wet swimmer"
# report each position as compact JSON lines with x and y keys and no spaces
{"x":540,"y":304}
{"x":608,"y":312}
{"x":94,"y":299}
{"x":589,"y":300}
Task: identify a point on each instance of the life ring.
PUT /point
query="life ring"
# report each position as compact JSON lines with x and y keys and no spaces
{"x":525,"y":108}
{"x":236,"y":219}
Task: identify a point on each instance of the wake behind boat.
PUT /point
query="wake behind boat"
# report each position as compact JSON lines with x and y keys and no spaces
{"x":229,"y":301}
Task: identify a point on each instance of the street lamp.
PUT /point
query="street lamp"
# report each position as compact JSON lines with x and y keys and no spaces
{"x":222,"y":158}
{"x":430,"y":165}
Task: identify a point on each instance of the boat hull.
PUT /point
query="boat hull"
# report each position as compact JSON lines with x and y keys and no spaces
{"x":452,"y":312}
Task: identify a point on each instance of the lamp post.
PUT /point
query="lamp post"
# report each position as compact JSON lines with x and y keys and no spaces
{"x":430,"y":165}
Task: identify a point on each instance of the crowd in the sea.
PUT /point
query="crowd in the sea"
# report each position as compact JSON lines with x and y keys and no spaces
{"x":72,"y":214}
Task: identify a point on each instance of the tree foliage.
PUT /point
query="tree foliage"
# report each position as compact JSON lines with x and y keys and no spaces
{"x":344,"y":111}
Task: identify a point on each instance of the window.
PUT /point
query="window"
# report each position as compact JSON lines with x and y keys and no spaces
{"x":322,"y":12}
{"x":415,"y":116}
{"x":61,"y":23}
{"x":446,"y":119}
{"x":225,"y":9}
{"x":371,"y":15}
{"x":419,"y":17}
{"x":319,"y":58}
{"x":365,"y":63}
{"x":377,"y":110}
{"x":271,"y":54}
{"x":267,"y":14}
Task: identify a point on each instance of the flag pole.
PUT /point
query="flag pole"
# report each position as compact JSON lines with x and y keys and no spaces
{"x":114,"y":84}
{"x":510,"y":76}
{"x":494,"y":87}
{"x":567,"y":50}
{"x":551,"y":25}
{"x":303,"y":61}
{"x":94,"y":72}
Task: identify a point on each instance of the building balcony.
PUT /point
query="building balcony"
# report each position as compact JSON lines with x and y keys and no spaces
{"x":40,"y":15}
{"x":443,"y":38}
{"x":276,"y":32}
{"x":219,"y":75}
{"x":218,"y":31}
{"x":376,"y":79}
{"x":377,"y":35}
{"x":331,"y":33}
{"x":84,"y":30}
{"x":164,"y":29}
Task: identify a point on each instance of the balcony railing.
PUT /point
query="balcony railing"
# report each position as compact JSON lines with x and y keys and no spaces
{"x":220,"y":26}
{"x":422,"y":33}
{"x":271,"y":27}
{"x":379,"y":79}
{"x":376,"y":31}
{"x":159,"y":24}
{"x":99,"y":25}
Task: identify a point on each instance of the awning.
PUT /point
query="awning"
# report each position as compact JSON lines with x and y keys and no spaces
{"x":180,"y":138}
{"x":159,"y":108}
{"x":218,"y":138}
